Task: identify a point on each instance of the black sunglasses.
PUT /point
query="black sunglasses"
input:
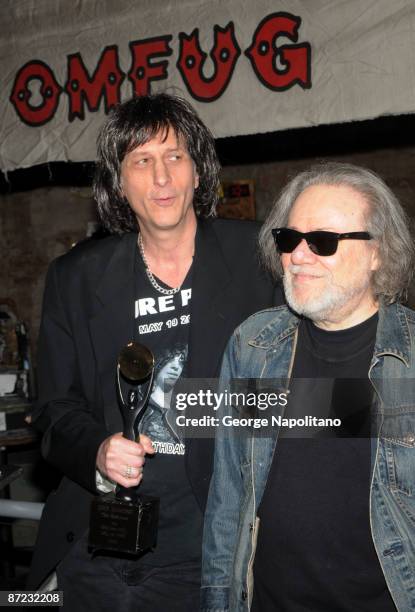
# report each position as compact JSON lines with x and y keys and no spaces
{"x":319,"y":242}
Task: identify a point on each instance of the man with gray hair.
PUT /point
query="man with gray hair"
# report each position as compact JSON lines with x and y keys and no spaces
{"x":322,"y":518}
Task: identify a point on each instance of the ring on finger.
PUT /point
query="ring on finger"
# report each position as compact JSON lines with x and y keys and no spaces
{"x":128,"y":472}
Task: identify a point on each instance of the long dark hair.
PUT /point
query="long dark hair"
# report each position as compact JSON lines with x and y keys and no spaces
{"x":134,"y":123}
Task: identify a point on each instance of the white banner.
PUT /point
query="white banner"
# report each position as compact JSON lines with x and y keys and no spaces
{"x":246,"y":67}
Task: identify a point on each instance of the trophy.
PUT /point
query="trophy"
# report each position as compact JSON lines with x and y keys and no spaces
{"x":127,"y":521}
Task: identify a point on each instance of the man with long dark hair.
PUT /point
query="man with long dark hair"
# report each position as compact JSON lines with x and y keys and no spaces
{"x":169,"y":275}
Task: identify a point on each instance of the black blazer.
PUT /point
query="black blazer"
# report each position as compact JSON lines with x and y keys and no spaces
{"x":87,"y":318}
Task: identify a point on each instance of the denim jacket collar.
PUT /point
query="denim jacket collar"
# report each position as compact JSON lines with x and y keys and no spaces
{"x":392,"y":337}
{"x":271,"y":334}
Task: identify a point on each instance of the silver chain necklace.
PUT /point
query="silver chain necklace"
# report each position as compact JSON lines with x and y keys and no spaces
{"x":150,"y":275}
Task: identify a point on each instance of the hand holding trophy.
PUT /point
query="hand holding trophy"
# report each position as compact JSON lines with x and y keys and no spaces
{"x":127,"y":521}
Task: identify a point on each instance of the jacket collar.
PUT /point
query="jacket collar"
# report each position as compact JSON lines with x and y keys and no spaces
{"x":392,"y":337}
{"x":283,"y":324}
{"x":112,"y":322}
{"x":119,"y":272}
{"x":211,"y":275}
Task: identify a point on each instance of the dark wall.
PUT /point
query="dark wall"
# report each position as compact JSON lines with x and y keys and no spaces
{"x":44,"y":210}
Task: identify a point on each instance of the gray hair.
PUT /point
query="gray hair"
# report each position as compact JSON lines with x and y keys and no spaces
{"x":387,"y":222}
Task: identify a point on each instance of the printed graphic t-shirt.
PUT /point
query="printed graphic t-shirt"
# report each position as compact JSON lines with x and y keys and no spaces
{"x":162,"y":323}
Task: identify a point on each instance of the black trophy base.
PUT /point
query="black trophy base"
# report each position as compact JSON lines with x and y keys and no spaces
{"x":121,"y":526}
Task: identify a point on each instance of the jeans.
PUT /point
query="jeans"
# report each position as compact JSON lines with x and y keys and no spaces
{"x":104,"y":582}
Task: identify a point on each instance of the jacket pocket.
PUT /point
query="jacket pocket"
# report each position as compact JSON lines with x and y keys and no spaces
{"x":400,"y":458}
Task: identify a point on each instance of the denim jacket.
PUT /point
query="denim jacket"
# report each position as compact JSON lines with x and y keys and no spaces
{"x":264,"y":347}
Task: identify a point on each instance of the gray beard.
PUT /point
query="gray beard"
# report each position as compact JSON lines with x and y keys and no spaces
{"x":325,"y":307}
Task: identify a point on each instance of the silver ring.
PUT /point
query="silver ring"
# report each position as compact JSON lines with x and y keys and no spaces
{"x":128,"y":472}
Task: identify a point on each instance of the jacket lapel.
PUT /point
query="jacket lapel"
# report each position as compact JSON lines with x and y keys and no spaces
{"x":211,"y":276}
{"x":112,"y":325}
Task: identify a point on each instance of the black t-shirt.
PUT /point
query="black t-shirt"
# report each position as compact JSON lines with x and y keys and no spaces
{"x":162,"y":323}
{"x":315,"y":551}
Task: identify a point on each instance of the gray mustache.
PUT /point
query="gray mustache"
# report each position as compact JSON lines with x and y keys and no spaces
{"x":294,"y":269}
